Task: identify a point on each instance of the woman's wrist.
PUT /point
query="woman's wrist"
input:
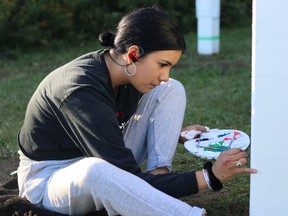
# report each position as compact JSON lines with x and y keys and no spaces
{"x":202,"y":185}
{"x":214,"y":182}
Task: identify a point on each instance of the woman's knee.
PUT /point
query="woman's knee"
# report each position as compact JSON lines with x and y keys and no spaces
{"x":92,"y":169}
{"x":173,"y":91}
{"x":97,"y":174}
{"x":177,"y":88}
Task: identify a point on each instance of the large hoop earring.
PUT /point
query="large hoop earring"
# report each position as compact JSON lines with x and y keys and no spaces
{"x":126,"y":69}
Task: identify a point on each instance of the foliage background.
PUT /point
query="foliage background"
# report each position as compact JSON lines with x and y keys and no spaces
{"x":26,"y":23}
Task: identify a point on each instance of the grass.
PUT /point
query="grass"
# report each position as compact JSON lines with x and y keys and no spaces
{"x":218,"y":95}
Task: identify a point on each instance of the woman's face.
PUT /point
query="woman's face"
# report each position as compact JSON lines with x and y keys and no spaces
{"x":153,"y":68}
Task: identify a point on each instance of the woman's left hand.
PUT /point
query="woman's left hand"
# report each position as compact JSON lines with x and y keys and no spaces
{"x":192,"y":127}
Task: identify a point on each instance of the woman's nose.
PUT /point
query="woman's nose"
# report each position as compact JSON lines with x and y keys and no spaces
{"x":165,"y":76}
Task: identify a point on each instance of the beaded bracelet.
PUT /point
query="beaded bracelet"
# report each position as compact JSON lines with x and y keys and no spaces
{"x":206,"y":177}
{"x":214,"y":182}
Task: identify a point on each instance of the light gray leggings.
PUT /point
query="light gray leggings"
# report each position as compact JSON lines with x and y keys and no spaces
{"x":81,"y":185}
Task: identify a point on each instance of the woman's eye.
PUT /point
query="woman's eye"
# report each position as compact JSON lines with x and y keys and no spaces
{"x":163,"y":65}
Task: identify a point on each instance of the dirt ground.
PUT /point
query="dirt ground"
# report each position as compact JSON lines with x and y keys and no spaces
{"x":6,"y":167}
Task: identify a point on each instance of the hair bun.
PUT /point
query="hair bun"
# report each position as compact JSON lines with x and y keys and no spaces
{"x":107,"y":39}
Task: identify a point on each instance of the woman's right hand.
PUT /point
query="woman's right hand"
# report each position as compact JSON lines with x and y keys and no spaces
{"x":231,"y":163}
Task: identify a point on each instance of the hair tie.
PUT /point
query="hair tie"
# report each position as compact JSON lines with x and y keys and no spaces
{"x":214,"y":182}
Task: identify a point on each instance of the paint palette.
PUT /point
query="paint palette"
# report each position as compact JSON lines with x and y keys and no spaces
{"x":211,"y":143}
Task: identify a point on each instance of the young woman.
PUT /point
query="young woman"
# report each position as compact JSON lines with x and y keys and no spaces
{"x":92,"y":122}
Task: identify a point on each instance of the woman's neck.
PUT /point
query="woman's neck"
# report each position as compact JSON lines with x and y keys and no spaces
{"x":116,"y":70}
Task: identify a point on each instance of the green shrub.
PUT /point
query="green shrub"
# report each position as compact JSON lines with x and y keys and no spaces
{"x":26,"y":23}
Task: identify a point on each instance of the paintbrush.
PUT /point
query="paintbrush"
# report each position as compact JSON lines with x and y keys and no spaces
{"x":233,"y":138}
{"x":199,"y":139}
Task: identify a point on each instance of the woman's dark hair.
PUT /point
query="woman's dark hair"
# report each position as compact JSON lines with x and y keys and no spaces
{"x":150,"y":28}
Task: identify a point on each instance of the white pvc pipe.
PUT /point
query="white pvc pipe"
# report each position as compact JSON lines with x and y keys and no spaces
{"x":208,"y":26}
{"x":269,"y":145}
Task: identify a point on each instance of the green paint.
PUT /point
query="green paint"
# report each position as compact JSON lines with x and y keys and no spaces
{"x":209,"y":38}
{"x":217,"y":146}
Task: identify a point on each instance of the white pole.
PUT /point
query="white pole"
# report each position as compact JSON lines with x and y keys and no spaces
{"x":208,"y":26}
{"x":269,"y":143}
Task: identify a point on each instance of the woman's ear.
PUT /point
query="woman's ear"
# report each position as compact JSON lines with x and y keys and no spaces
{"x":133,"y":54}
